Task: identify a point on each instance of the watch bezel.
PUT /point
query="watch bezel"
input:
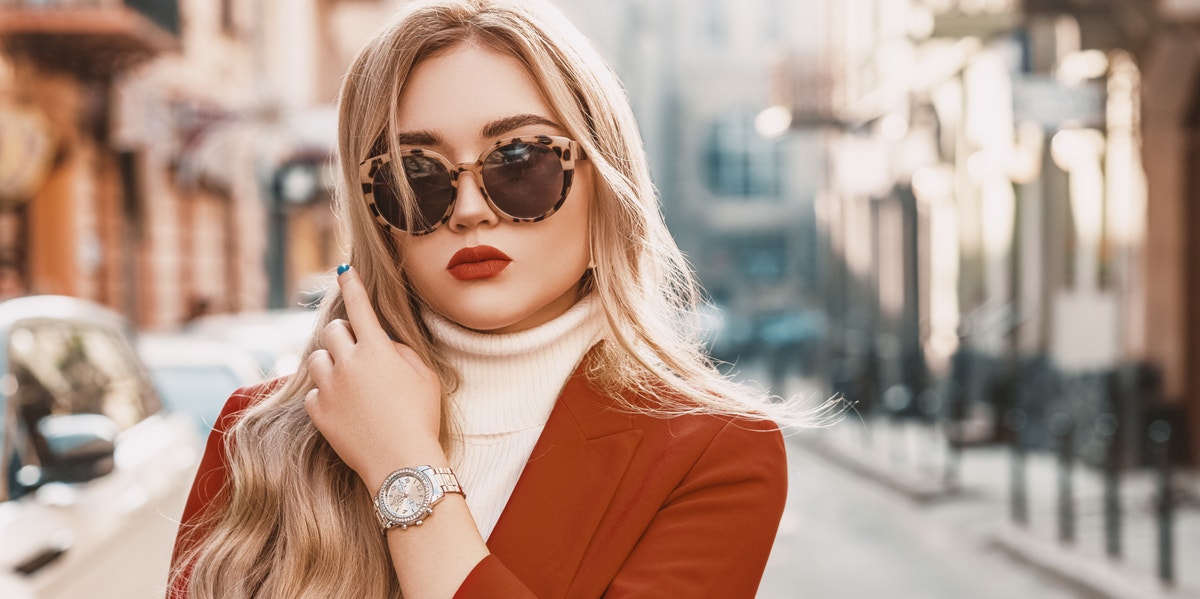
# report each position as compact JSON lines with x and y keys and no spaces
{"x":418,"y":515}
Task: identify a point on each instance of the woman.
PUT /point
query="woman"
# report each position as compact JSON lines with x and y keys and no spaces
{"x":507,"y":349}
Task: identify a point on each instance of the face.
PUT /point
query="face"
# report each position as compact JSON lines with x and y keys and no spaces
{"x":478,"y":269}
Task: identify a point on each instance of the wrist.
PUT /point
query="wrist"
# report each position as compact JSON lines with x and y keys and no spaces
{"x":427,"y":454}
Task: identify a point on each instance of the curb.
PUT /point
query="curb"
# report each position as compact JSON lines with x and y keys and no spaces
{"x":1109,"y":580}
{"x":1092,"y":577}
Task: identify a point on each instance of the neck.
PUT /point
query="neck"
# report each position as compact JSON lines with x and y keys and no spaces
{"x":509,"y":381}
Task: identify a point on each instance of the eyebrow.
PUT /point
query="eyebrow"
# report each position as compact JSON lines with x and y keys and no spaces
{"x":494,"y":129}
{"x":499,"y":127}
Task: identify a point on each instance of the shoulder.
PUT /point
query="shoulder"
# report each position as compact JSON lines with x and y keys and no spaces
{"x":715,"y":440}
{"x":689,"y":420}
{"x":684,"y":469}
{"x":710,"y":463}
{"x":240,"y":400}
{"x":686,"y":443}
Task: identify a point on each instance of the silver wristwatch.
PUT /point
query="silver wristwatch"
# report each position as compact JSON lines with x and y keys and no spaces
{"x":408,"y":495}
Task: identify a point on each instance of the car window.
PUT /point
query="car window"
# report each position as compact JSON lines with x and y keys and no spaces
{"x":79,"y":369}
{"x":65,"y":368}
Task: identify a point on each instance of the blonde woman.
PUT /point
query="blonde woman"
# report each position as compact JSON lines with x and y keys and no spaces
{"x":502,"y":399}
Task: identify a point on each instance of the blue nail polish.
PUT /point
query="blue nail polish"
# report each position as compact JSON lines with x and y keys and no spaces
{"x":343,"y":267}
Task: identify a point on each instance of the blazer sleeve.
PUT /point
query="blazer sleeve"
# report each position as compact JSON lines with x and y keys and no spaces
{"x":712,"y":535}
{"x":491,"y":578}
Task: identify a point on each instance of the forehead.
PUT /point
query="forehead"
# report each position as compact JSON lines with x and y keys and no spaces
{"x":455,"y":93}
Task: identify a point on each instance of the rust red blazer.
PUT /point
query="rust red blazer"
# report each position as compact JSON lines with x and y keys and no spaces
{"x":614,"y":504}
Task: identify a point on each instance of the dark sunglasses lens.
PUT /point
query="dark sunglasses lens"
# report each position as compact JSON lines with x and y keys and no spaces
{"x":525,"y":180}
{"x":431,"y":186}
{"x":383,"y":190}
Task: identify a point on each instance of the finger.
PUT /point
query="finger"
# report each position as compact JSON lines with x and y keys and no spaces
{"x":311,"y":402}
{"x":358,"y":307}
{"x":338,"y":336}
{"x":320,"y":367}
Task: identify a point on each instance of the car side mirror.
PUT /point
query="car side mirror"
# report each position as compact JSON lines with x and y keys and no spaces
{"x":80,"y":447}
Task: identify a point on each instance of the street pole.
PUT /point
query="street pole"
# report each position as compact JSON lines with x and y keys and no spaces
{"x":1018,"y":492}
{"x":1160,"y":437}
{"x":1062,"y":426}
{"x":1106,"y":428}
{"x":276,"y":250}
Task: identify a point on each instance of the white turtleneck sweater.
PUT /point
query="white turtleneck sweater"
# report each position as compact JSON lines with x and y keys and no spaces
{"x":509,"y":383}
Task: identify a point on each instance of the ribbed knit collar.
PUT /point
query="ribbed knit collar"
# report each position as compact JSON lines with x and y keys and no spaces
{"x":510,"y":381}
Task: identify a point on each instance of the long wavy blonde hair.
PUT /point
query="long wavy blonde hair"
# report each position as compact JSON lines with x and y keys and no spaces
{"x":293,"y":519}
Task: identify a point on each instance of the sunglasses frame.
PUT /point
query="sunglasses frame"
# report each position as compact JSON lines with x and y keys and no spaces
{"x":567,"y":149}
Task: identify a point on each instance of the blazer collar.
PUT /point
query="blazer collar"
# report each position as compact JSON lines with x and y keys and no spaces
{"x":565,"y":489}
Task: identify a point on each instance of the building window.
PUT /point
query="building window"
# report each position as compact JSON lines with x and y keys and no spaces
{"x":741,"y":163}
{"x":760,"y":258}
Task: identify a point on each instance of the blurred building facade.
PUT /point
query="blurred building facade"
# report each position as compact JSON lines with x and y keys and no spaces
{"x":1005,"y":213}
{"x":65,"y":206}
{"x":169,"y":158}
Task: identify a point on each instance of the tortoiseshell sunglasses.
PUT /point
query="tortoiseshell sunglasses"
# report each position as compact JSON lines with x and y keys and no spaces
{"x":523,"y":179}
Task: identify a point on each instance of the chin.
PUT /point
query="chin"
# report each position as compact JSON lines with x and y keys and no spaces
{"x":491,"y":325}
{"x":481,"y":318}
{"x":491,"y":313}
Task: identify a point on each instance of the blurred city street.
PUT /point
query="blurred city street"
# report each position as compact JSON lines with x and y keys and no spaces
{"x":849,"y":537}
{"x":849,"y":532}
{"x":870,"y":513}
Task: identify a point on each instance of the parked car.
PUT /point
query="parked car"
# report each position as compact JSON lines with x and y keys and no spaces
{"x":194,"y":375}
{"x":93,"y":470}
{"x":276,"y":338}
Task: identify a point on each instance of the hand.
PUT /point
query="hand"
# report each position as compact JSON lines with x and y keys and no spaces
{"x":376,"y":402}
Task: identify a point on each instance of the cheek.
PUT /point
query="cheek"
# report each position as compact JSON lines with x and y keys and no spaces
{"x":568,"y":241}
{"x":416,"y":261}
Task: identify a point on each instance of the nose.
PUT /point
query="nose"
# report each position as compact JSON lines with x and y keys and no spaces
{"x":471,"y":209}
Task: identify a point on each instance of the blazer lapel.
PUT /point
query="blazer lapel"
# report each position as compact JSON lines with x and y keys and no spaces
{"x":566,"y":486}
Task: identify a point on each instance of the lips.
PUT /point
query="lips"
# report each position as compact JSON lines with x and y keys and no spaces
{"x":479,"y":262}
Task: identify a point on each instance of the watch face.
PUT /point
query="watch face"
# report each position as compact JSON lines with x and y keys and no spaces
{"x":405,"y":497}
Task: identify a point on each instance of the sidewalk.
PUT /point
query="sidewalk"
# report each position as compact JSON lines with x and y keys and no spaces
{"x":911,"y":459}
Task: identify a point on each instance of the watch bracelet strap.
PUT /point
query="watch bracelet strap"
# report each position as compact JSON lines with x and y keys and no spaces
{"x":444,"y":479}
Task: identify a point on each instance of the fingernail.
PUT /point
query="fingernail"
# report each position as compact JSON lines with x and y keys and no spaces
{"x":343,"y":267}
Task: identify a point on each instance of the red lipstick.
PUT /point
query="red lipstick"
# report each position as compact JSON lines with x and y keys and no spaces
{"x":479,"y":262}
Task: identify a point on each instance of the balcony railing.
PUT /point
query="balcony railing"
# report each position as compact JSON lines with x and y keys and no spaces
{"x":96,"y":37}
